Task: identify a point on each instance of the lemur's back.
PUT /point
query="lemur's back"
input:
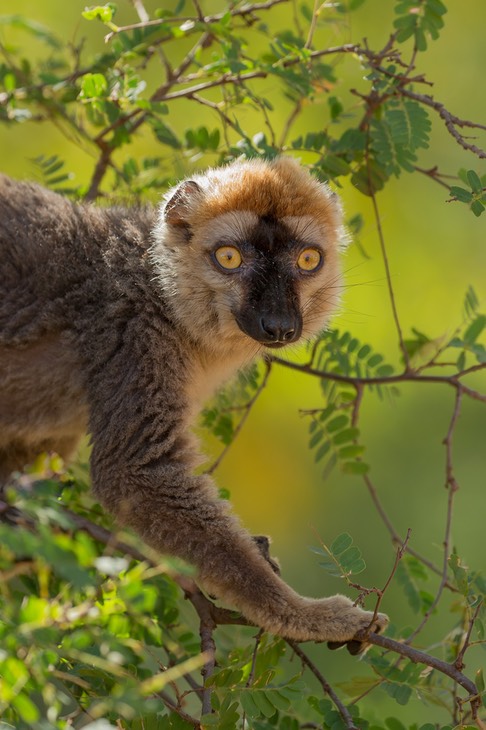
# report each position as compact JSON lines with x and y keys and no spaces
{"x":53,"y":252}
{"x":54,"y":274}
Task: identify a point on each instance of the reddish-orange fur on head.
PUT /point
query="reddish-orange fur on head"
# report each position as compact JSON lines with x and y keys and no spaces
{"x":279,"y":188}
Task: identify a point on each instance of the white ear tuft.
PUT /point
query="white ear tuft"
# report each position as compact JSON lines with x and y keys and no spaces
{"x":176,"y":208}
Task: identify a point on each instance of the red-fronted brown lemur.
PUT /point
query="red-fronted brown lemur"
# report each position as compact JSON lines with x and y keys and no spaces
{"x":122,"y":322}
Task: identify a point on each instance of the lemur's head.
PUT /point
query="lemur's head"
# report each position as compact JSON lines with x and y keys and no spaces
{"x":251,"y":250}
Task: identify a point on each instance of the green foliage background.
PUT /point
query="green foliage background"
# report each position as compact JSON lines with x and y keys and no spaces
{"x":436,"y":251}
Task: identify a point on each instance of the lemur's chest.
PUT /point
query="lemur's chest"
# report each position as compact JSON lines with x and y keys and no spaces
{"x":208,"y":374}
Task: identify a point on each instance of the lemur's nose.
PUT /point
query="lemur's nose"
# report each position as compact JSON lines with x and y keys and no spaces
{"x":278,"y":328}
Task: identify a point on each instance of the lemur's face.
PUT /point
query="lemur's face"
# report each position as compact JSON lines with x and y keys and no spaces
{"x":248,"y":257}
{"x":270,"y":270}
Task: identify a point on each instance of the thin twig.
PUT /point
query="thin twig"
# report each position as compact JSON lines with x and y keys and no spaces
{"x":207,"y":626}
{"x":384,"y":255}
{"x":341,"y":708}
{"x":169,"y":703}
{"x":398,"y":556}
{"x":434,"y":174}
{"x":452,"y":488}
{"x":251,"y":676}
{"x":246,"y":412}
{"x":459,"y":661}
{"x":450,"y":120}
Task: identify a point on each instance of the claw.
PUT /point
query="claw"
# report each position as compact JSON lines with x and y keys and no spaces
{"x":356,"y":647}
{"x":334,"y":645}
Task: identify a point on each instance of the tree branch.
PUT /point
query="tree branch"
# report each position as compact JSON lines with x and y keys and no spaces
{"x":408,"y":376}
{"x":450,"y":120}
{"x":419,"y":657}
{"x":207,"y":19}
{"x":452,"y":488}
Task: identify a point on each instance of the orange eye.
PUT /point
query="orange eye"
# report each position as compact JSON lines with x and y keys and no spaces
{"x":228,"y":257}
{"x":309,"y":259}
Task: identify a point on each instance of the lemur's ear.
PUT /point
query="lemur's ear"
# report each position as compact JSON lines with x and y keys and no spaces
{"x":176,"y":208}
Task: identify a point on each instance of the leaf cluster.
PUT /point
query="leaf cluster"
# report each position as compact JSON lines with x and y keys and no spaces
{"x":342,"y":559}
{"x":103,"y":101}
{"x":474,"y":194}
{"x":419,"y":20}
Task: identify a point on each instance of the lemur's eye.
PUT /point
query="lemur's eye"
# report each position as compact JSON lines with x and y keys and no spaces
{"x":228,"y":257}
{"x":309,"y":259}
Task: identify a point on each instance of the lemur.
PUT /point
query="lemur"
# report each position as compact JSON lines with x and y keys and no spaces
{"x":122,"y":322}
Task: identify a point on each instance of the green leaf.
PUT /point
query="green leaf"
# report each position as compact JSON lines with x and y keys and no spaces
{"x":471,"y":302}
{"x":278,"y":700}
{"x":335,"y":107}
{"x":400,"y":692}
{"x":322,"y":451}
{"x":102,"y":12}
{"x":460,"y":573}
{"x":248,"y":703}
{"x":393,"y":723}
{"x":337,"y":423}
{"x":403,"y":128}
{"x":480,"y":630}
{"x":479,"y":680}
{"x":409,"y":587}
{"x":349,"y":556}
{"x":375,"y":360}
{"x":356,"y":467}
{"x":464,"y":196}
{"x":384,"y":371}
{"x":352,"y":451}
{"x":26,"y":708}
{"x":474,"y":181}
{"x":317,"y":436}
{"x":93,"y":86}
{"x":357,"y":685}
{"x":369,"y":178}
{"x":364,"y":352}
{"x":165,"y":135}
{"x":475,"y":329}
{"x":342,"y":558}
{"x":477,"y":208}
{"x":347,"y":434}
{"x":263,"y":703}
{"x":341,"y":543}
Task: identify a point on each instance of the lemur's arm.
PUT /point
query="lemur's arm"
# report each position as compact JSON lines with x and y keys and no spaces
{"x":141,"y":465}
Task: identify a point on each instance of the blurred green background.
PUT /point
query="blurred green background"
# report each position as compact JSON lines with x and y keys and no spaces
{"x":436,"y":250}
